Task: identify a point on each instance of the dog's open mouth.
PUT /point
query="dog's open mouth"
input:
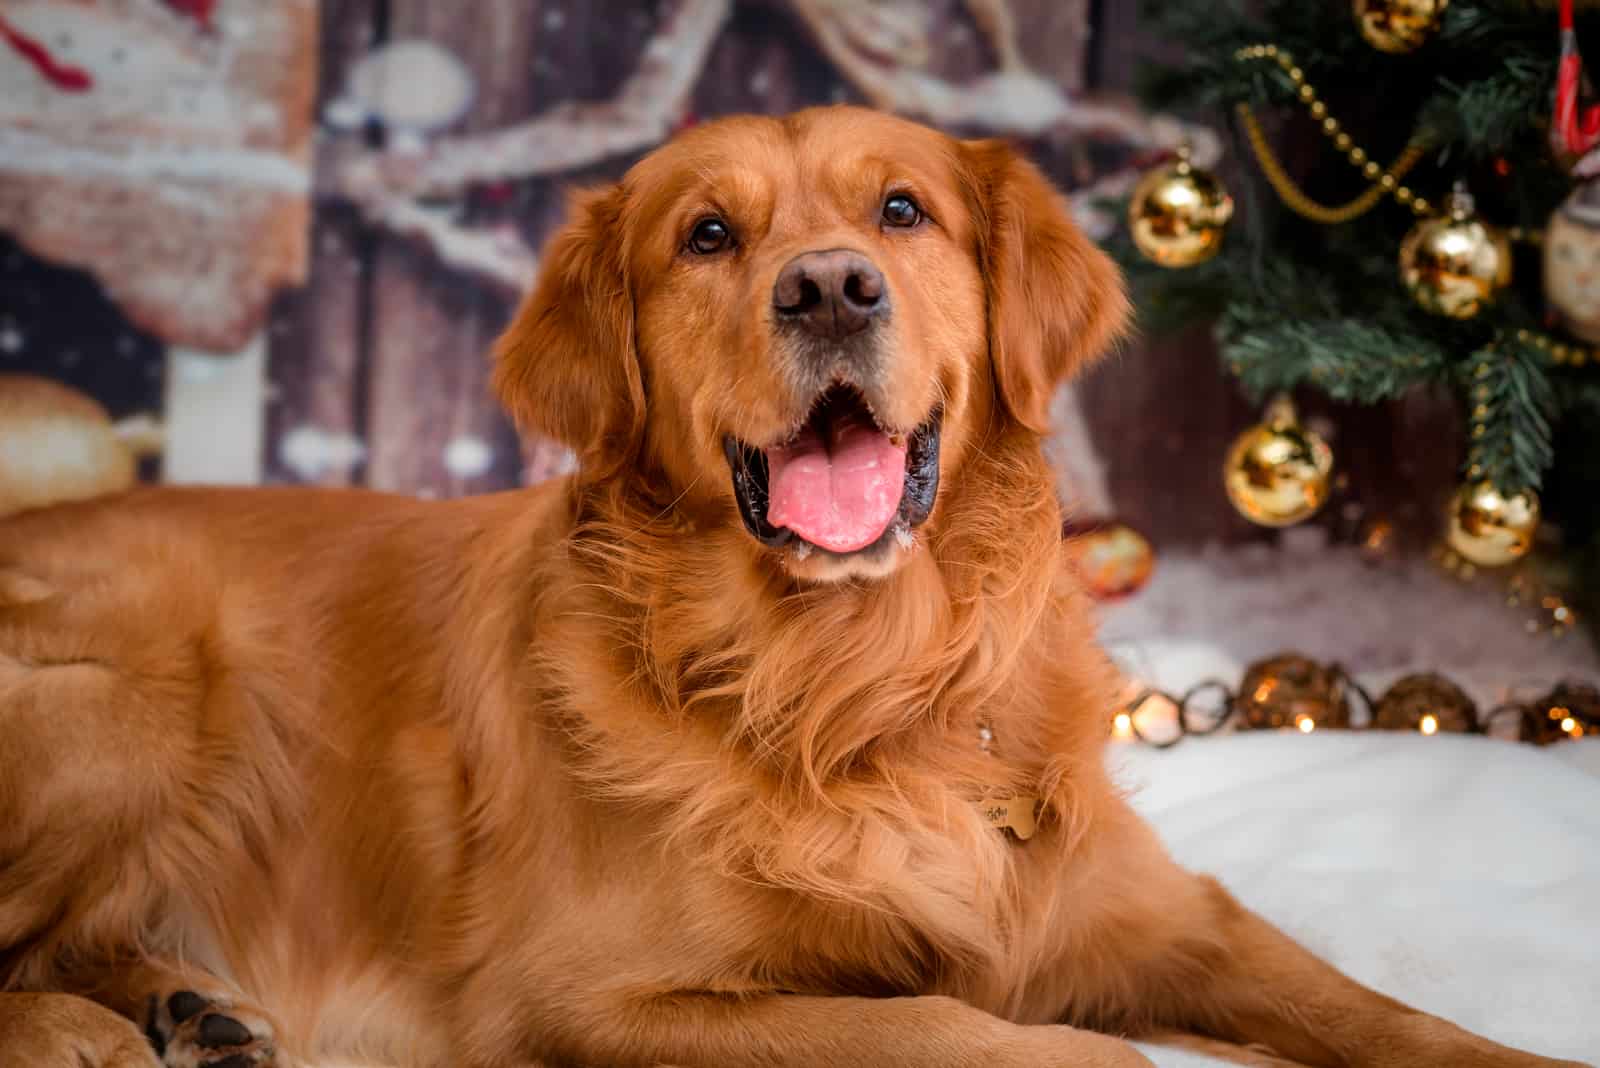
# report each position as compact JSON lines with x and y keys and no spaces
{"x":842,"y":482}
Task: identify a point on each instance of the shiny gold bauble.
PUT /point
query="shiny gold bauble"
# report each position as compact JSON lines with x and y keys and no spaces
{"x":1293,"y":691}
{"x":56,"y":445}
{"x":1455,"y":265}
{"x":1277,"y":472}
{"x":1398,"y":25}
{"x":1568,"y":712}
{"x":1428,"y":703}
{"x":1179,"y":213}
{"x":1490,"y":528}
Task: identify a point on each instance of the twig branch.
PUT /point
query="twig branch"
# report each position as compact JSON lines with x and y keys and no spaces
{"x":568,"y":136}
{"x":1013,"y":100}
{"x":499,"y":256}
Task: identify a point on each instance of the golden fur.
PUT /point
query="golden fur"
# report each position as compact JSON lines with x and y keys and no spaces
{"x":587,"y":775}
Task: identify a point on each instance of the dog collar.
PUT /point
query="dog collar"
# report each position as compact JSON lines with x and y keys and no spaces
{"x":1019,"y":815}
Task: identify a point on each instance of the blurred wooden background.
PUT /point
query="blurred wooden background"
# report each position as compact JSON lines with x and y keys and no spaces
{"x":377,"y":367}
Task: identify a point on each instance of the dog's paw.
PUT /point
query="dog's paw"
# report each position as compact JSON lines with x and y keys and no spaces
{"x":191,"y":1030}
{"x":63,"y":1031}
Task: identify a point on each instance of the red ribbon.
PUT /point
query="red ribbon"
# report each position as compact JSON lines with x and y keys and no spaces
{"x":70,"y":79}
{"x":1575,"y":129}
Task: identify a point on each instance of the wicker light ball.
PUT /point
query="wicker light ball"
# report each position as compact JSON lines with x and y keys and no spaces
{"x":1428,"y":703}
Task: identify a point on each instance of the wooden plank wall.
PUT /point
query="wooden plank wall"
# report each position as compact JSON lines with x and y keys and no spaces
{"x":388,"y":348}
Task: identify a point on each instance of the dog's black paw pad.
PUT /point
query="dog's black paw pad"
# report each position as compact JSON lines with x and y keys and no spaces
{"x":219,"y":1030}
{"x":190,"y":1030}
{"x":184,"y":1004}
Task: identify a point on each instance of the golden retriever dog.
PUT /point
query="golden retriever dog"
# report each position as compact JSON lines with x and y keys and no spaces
{"x":771,"y":737}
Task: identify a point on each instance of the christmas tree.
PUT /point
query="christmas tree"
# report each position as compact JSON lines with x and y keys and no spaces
{"x":1416,"y":206}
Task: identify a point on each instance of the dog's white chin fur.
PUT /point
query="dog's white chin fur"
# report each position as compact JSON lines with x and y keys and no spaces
{"x":804,"y":562}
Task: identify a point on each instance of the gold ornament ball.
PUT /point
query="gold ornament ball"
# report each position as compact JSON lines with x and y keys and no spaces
{"x":1490,"y":528}
{"x":1277,"y":472}
{"x":1293,"y":691}
{"x":1428,"y":703}
{"x":1397,"y":26}
{"x":1178,"y":214}
{"x":56,"y":445}
{"x":1455,"y":265}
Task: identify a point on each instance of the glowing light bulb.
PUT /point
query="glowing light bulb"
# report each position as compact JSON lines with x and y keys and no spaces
{"x":1429,"y":724}
{"x":1122,"y":726}
{"x":1569,"y":724}
{"x":1305,"y":723}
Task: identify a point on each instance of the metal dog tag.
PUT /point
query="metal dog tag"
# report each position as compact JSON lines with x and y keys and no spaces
{"x":1019,"y":815}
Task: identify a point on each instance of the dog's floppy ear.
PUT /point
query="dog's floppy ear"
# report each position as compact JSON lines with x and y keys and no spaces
{"x":566,"y":366}
{"x":1055,"y":300}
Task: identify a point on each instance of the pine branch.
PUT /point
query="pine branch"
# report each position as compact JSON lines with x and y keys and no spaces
{"x":1349,"y":359}
{"x":1509,"y":390}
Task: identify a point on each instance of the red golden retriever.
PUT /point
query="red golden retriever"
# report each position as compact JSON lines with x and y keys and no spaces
{"x":772,"y":737}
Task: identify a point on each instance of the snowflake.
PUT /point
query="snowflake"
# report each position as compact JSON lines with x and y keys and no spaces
{"x":554,"y":19}
{"x":468,"y":457}
{"x":10,"y":339}
{"x":311,"y":452}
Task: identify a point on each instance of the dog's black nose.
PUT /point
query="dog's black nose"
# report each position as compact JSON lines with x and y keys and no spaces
{"x":831,"y":294}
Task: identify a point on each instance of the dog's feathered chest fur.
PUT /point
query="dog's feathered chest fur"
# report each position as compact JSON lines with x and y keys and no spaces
{"x":818,"y":750}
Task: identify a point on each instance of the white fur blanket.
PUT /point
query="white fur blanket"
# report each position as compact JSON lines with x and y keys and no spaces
{"x":1458,"y":874}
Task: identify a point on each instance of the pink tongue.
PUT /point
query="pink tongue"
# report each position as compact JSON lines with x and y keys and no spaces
{"x":841,"y":493}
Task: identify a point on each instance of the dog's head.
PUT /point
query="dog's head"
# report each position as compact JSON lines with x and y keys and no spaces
{"x":801,"y":324}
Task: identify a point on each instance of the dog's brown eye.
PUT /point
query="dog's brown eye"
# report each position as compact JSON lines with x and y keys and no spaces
{"x":901,"y":210}
{"x":710,"y":235}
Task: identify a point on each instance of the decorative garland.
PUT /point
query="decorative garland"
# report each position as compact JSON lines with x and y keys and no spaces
{"x":1563,"y":353}
{"x":1290,"y":691}
{"x":1386,"y":181}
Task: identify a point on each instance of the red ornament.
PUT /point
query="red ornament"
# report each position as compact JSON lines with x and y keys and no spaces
{"x":58,"y":74}
{"x":1112,"y":559}
{"x":1574,"y":127}
{"x":199,"y":10}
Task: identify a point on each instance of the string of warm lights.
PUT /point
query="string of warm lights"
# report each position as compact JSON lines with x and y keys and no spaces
{"x":1292,"y":692}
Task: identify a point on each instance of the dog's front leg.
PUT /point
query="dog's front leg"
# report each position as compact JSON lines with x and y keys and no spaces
{"x":797,"y":1031}
{"x":1199,"y":961}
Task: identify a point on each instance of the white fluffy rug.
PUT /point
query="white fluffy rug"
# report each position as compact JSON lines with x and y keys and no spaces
{"x":1459,"y":874}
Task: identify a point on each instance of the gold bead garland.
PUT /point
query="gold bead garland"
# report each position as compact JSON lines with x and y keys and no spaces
{"x":1386,"y":181}
{"x":1562,"y":353}
{"x":1293,"y":692}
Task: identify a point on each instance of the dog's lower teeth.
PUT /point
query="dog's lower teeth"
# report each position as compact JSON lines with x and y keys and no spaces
{"x":904,"y":538}
{"x":802,"y":549}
